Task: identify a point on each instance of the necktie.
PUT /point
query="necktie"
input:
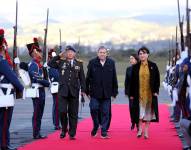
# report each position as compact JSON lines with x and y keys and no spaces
{"x":70,"y":63}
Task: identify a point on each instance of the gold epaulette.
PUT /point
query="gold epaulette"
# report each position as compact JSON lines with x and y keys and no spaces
{"x":79,"y":60}
{"x":63,"y":58}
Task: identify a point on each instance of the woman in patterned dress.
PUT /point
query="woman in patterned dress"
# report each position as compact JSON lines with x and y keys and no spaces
{"x":144,"y":89}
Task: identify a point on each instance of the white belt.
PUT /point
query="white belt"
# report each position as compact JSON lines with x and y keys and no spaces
{"x":7,"y":86}
{"x":36,"y":85}
{"x":54,"y":83}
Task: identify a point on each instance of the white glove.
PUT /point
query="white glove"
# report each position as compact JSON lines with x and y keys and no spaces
{"x":45,"y":65}
{"x":53,"y":54}
{"x":167,"y":67}
{"x":17,"y":60}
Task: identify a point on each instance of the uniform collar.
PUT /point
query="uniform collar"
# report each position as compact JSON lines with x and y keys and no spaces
{"x":38,"y":63}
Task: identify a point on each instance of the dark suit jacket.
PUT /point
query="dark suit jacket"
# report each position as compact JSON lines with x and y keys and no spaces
{"x":154,"y":84}
{"x":101,"y":81}
{"x":127,"y":80}
{"x":71,"y":79}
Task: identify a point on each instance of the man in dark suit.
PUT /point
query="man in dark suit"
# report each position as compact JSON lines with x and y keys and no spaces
{"x":71,"y":80}
{"x":101,"y":85}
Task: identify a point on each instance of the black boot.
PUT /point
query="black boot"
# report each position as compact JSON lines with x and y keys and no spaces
{"x":62,"y":135}
{"x":8,"y":148}
{"x":132,"y":126}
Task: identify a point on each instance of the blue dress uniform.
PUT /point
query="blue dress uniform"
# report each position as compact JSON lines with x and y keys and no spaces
{"x":186,"y":101}
{"x":35,"y":70}
{"x":54,"y":77}
{"x":36,"y":75}
{"x":7,"y":77}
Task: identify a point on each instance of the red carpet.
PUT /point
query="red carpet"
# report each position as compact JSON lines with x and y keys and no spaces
{"x":162,"y":135}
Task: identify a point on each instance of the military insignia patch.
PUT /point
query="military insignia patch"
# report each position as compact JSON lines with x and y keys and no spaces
{"x":64,"y":66}
{"x":63,"y":72}
{"x":77,"y":67}
{"x":79,"y":60}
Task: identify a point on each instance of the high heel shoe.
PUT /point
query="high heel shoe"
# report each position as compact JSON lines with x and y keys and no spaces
{"x":146,"y":136}
{"x":137,"y":126}
{"x":139,"y":134}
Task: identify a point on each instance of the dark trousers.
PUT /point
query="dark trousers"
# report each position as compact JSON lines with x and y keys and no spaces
{"x":5,"y":121}
{"x":103,"y":106}
{"x":69,"y":111}
{"x":110,"y":115}
{"x":38,"y":106}
{"x":185,"y":126}
{"x":131,"y":110}
{"x":176,"y":111}
{"x":55,"y":111}
{"x":188,"y":101}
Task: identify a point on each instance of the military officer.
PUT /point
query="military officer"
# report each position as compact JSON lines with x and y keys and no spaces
{"x":8,"y":81}
{"x":54,"y":77}
{"x":38,"y":82}
{"x":71,"y":80}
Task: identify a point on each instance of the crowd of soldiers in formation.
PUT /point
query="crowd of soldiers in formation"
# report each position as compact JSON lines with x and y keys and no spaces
{"x":178,"y":84}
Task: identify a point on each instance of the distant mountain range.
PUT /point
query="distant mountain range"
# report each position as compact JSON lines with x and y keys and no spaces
{"x":159,"y":19}
{"x":132,"y":30}
{"x":4,"y":23}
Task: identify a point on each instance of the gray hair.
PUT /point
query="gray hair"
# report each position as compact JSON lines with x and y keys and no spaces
{"x":102,"y":47}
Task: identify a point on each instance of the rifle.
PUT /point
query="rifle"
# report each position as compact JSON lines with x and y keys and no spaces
{"x":188,"y":37}
{"x":45,"y":52}
{"x":176,"y":49}
{"x":60,"y":47}
{"x":172,"y":46}
{"x":169,"y":54}
{"x":78,"y":47}
{"x":181,"y":23}
{"x":15,"y":52}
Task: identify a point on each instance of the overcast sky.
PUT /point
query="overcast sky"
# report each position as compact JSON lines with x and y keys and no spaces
{"x":33,"y":11}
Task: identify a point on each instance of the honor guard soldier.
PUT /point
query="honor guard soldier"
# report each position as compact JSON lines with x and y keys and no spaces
{"x":38,"y":84}
{"x":71,"y":80}
{"x":8,"y":81}
{"x":54,"y":77}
